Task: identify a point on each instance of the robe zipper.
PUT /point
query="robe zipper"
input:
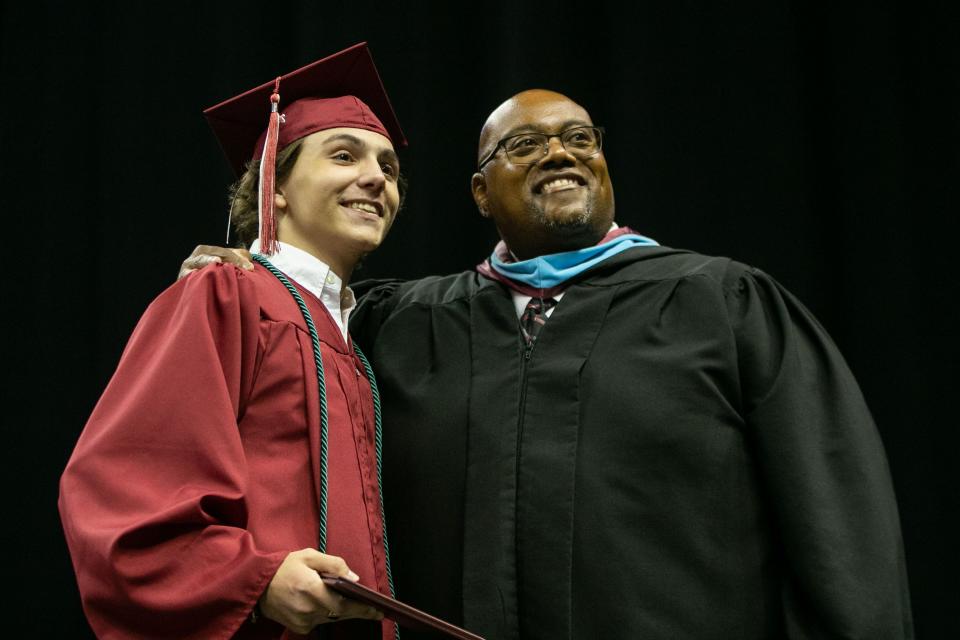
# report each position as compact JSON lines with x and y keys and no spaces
{"x":525,"y":358}
{"x":521,"y":418}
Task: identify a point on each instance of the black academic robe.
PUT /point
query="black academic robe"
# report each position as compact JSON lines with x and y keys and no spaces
{"x":683,"y":454}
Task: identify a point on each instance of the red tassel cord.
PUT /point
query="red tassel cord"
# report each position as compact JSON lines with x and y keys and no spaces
{"x":268,"y":169}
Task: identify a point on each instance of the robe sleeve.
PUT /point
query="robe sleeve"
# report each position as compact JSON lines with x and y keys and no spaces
{"x":153,"y":498}
{"x":823,"y":470}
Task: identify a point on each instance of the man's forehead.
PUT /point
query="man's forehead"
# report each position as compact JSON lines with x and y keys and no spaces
{"x":532,"y":110}
{"x":537,"y":111}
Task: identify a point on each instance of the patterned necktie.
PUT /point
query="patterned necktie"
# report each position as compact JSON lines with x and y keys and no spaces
{"x":534,"y":317}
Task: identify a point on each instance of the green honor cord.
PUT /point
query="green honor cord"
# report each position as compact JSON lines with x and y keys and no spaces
{"x":378,"y":430}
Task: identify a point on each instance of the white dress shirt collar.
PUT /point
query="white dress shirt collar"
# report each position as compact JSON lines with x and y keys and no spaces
{"x":317,"y":277}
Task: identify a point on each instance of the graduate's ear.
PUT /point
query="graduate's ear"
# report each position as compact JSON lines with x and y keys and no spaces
{"x":478,"y":185}
{"x":279,"y":201}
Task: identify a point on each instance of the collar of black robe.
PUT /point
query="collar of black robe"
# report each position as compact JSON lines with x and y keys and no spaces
{"x":486,"y":269}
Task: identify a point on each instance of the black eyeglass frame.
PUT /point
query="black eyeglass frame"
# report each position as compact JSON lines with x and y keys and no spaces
{"x":600,"y":132}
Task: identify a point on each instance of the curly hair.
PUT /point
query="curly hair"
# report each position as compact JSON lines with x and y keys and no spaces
{"x":243,"y":194}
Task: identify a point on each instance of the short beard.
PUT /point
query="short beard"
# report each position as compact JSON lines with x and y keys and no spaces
{"x":582,"y":221}
{"x":579,"y":229}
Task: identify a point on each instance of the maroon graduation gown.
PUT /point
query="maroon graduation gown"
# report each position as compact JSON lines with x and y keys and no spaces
{"x":198,"y":471}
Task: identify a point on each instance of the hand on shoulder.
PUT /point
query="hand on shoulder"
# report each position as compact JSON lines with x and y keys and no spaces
{"x":205,"y":254}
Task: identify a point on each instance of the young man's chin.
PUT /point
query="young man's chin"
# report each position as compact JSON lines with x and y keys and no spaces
{"x":363,"y":241}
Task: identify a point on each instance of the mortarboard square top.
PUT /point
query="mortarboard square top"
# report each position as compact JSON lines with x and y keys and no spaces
{"x":341,"y":90}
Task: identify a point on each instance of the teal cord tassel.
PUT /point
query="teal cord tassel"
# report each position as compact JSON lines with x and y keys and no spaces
{"x":315,"y":340}
{"x":378,"y":423}
{"x":378,"y":445}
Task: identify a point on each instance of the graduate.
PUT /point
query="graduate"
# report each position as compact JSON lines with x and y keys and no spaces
{"x":235,"y":453}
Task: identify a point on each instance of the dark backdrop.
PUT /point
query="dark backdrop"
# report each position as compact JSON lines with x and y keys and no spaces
{"x":819,"y":143}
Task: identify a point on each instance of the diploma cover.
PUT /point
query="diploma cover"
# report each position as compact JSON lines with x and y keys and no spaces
{"x":402,"y":614}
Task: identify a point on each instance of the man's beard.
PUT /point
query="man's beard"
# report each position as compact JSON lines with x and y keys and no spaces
{"x":579,"y":222}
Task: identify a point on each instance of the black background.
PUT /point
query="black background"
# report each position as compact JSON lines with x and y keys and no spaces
{"x":818,"y":142}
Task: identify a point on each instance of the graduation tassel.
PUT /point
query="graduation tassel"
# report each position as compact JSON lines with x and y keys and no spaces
{"x":268,"y":169}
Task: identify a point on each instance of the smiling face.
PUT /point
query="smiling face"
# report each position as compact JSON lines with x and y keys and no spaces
{"x":560,"y":202}
{"x":341,"y":197}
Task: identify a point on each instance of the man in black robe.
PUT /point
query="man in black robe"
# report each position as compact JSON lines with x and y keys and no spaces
{"x":659,"y":444}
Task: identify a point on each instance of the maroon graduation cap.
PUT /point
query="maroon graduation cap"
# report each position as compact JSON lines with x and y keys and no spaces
{"x":341,"y":90}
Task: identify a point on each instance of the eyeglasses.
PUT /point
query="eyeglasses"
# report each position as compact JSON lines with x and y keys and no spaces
{"x":529,"y":148}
